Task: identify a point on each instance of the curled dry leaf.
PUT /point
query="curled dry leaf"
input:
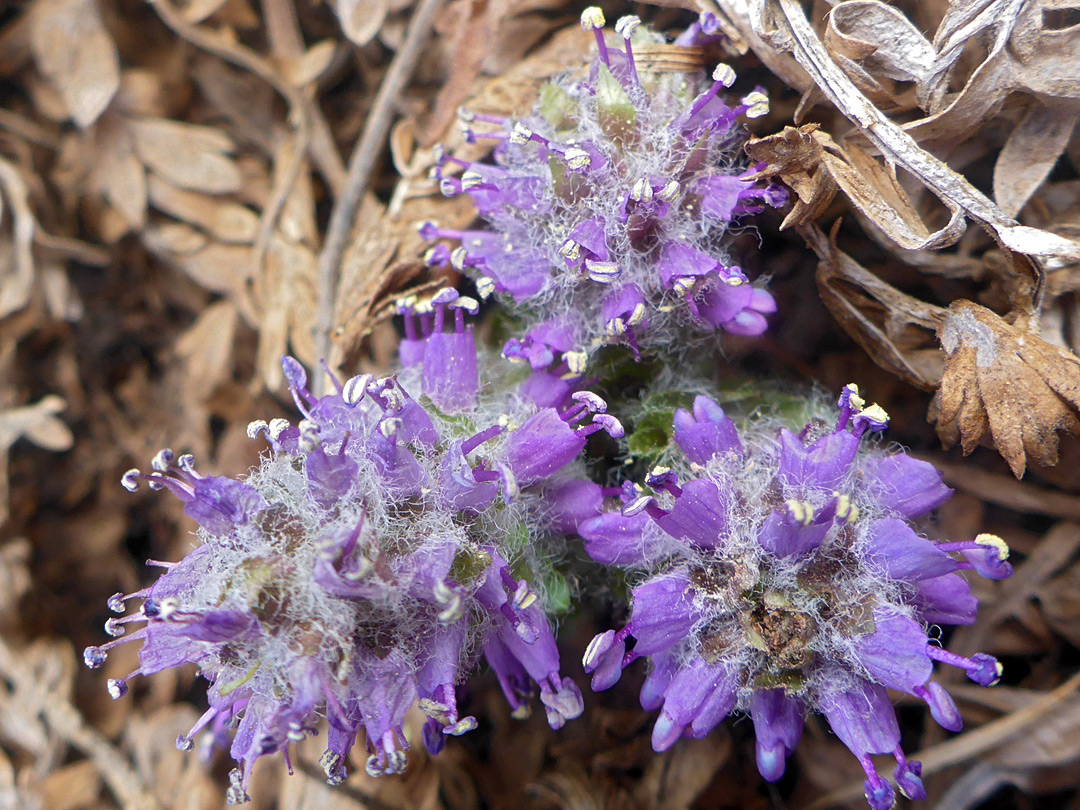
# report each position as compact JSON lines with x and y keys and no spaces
{"x":77,"y":55}
{"x":1005,"y":381}
{"x":894,"y":328}
{"x":794,"y":155}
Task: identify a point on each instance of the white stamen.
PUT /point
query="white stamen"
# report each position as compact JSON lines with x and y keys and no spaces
{"x":637,"y":316}
{"x":603,"y":272}
{"x":471,"y":179}
{"x":485,"y":287}
{"x":570,"y":250}
{"x":758,"y":103}
{"x":994,"y":542}
{"x":591,"y":401}
{"x":576,"y":361}
{"x":277,"y":427}
{"x":354,"y":389}
{"x":577,"y":158}
{"x":668,"y":192}
{"x":626,"y":26}
{"x":520,"y":134}
{"x":457,"y":258}
{"x":162,"y":460}
{"x":463,"y":114}
{"x":724,"y":74}
{"x":470,"y":305}
{"x":130,"y":480}
{"x":616,"y":327}
{"x":642,"y":190}
{"x":592,"y":18}
{"x":256,"y":427}
{"x":389,"y":427}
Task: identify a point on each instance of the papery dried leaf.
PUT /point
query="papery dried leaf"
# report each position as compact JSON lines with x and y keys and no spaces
{"x":1006,"y":382}
{"x":881,"y":36}
{"x":786,"y":26}
{"x":38,"y":423}
{"x":119,"y":174}
{"x":206,"y":350}
{"x":15,"y":575}
{"x":361,"y":19}
{"x":1030,"y":153}
{"x":228,"y":222}
{"x":894,"y":328}
{"x":76,"y":53}
{"x":71,"y":787}
{"x":311,"y":64}
{"x":384,"y":261}
{"x":189,"y":156}
{"x":1060,"y":600}
{"x":874,"y":189}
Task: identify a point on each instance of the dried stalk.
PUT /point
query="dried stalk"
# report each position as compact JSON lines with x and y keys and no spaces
{"x":361,"y":165}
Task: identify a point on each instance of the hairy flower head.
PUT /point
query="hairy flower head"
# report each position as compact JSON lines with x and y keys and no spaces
{"x":786,"y":577}
{"x":385,"y":543}
{"x":607,"y":208}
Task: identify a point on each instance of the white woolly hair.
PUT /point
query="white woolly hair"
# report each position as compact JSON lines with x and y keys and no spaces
{"x":658,"y":152}
{"x":753,"y":490}
{"x":271,"y":560}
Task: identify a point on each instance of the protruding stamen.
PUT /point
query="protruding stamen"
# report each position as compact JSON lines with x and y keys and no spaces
{"x":576,"y":362}
{"x":981,"y":668}
{"x":669,"y":191}
{"x":354,"y":389}
{"x":642,"y":190}
{"x":116,"y":603}
{"x":257,"y":427}
{"x":277,"y":427}
{"x":591,"y":401}
{"x":625,"y":28}
{"x":116,"y":688}
{"x":723,"y":74}
{"x":592,"y":19}
{"x":485,"y":287}
{"x":130,"y":480}
{"x":603,"y":272}
{"x":577,"y":158}
{"x":757,"y":104}
{"x":163,"y":460}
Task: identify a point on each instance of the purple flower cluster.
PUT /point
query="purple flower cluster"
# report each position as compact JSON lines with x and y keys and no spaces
{"x":607,"y":208}
{"x":786,"y":577}
{"x":382,"y":547}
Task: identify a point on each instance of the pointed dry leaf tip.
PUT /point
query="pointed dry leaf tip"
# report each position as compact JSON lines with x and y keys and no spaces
{"x":592,"y":18}
{"x":796,"y":602}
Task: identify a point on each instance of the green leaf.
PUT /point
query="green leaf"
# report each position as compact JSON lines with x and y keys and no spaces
{"x":557,"y":107}
{"x":614,"y":111}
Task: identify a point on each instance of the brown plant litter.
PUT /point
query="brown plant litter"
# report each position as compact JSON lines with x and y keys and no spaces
{"x":189,"y":189}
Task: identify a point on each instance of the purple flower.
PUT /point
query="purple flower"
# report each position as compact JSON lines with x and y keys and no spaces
{"x":791,"y":581}
{"x":606,"y":208}
{"x":362,"y":566}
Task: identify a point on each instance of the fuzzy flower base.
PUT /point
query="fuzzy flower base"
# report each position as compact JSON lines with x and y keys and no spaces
{"x":787,"y":579}
{"x":606,"y":210}
{"x":382,"y":546}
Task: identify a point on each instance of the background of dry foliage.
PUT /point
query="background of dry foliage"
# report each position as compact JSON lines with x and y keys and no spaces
{"x":179,"y":185}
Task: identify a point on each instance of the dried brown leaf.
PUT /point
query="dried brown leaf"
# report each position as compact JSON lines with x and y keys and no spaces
{"x":894,"y":328}
{"x":1004,"y":382}
{"x":882,"y":38}
{"x":71,"y":787}
{"x":361,"y":19}
{"x":189,"y":156}
{"x":794,"y":155}
{"x":206,"y":350}
{"x":783,"y":23}
{"x":228,"y":222}
{"x":1030,"y":153}
{"x":75,"y":52}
